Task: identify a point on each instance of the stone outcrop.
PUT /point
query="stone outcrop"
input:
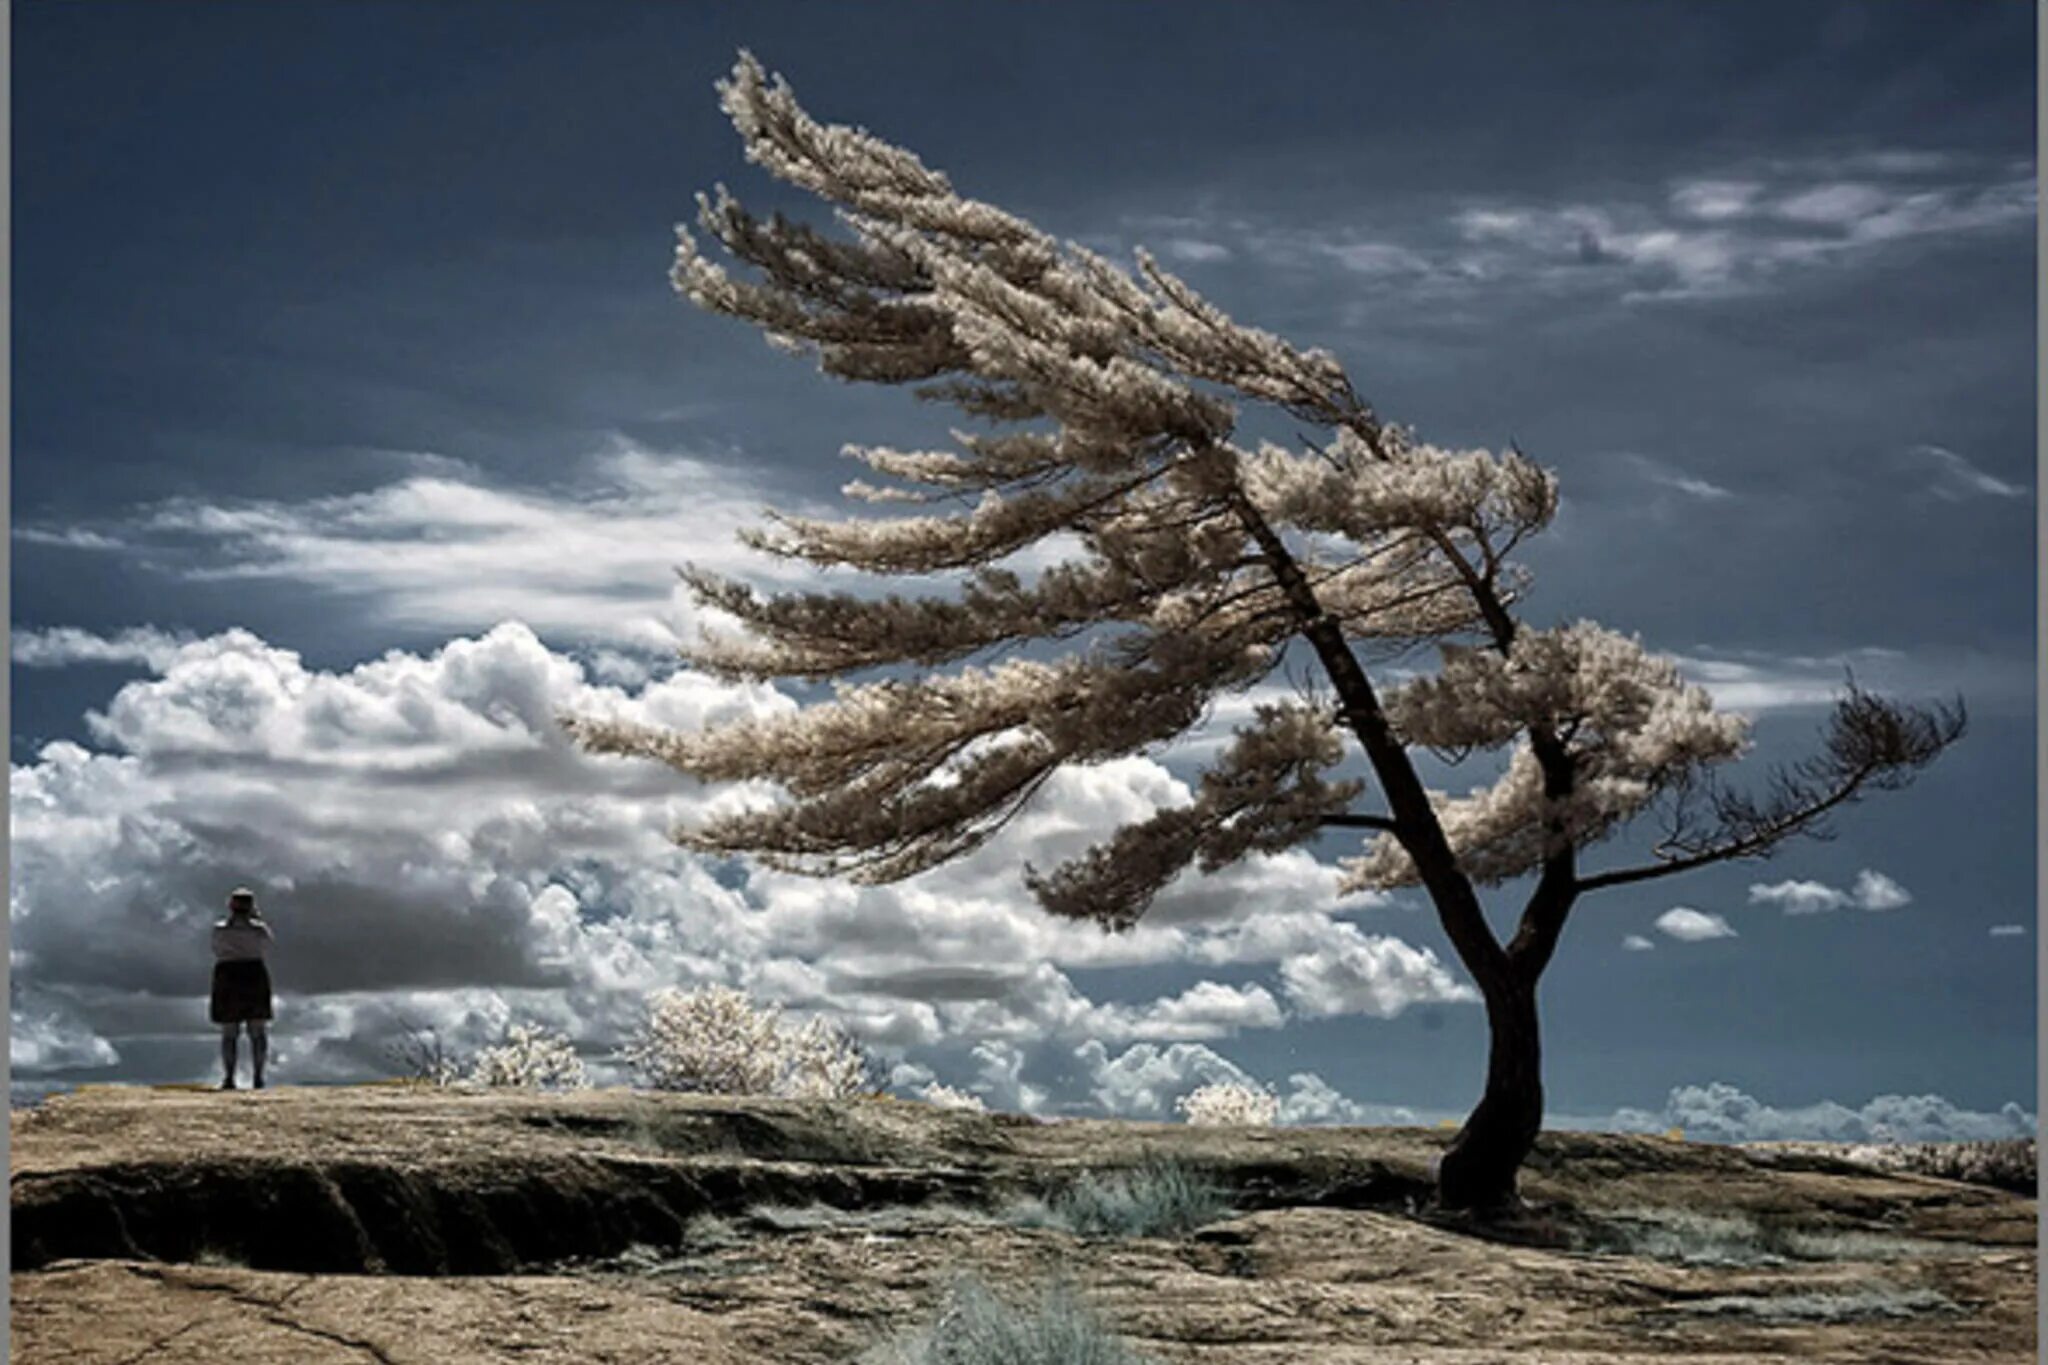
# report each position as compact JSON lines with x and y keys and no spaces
{"x":404,"y":1225}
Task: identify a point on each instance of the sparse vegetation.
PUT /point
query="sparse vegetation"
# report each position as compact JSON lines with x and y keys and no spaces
{"x":1849,"y":1305}
{"x":2006,"y":1163}
{"x":530,"y":1058}
{"x":946,"y":1097}
{"x":1224,"y":1103}
{"x":1157,"y":1199}
{"x":716,"y":1040}
{"x":1734,"y":1240}
{"x":975,"y":1327}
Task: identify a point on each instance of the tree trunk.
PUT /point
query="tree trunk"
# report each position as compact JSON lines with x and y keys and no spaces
{"x":1478,"y":1169}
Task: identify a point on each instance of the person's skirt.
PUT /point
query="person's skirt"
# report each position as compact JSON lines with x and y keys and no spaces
{"x":241,"y":991}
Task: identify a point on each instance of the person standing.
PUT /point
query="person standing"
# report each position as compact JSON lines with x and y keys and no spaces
{"x":241,"y":985}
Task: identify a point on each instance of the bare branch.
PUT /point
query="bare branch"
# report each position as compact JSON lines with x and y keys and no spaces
{"x":1870,"y":744}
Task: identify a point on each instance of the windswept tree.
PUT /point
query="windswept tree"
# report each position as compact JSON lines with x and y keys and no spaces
{"x":1106,"y":406}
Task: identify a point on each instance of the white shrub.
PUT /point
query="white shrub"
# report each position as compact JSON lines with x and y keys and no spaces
{"x":822,"y":1061}
{"x":946,"y":1097}
{"x":530,"y":1058}
{"x":716,"y":1041}
{"x":1228,"y":1103}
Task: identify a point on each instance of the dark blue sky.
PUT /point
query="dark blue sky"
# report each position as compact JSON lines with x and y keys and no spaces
{"x":1756,"y":279}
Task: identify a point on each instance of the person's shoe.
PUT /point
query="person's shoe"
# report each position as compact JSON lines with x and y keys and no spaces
{"x":259,"y":1083}
{"x":228,"y":1084}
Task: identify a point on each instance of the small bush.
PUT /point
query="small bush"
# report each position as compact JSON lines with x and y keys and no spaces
{"x":1226,"y":1103}
{"x":946,"y":1097}
{"x":530,"y":1058}
{"x":1158,"y":1199}
{"x":424,"y":1056}
{"x":975,"y":1327}
{"x":716,"y":1041}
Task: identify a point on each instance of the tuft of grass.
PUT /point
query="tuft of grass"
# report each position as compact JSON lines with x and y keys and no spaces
{"x":1160,"y":1198}
{"x":975,"y":1327}
{"x":1685,"y":1237}
{"x":1849,"y":1305}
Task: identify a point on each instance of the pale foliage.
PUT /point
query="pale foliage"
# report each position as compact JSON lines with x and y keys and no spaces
{"x":1180,"y":566}
{"x":717,"y":1040}
{"x":946,"y":1097}
{"x":1630,"y":726}
{"x":1229,"y":1104}
{"x":530,"y":1058}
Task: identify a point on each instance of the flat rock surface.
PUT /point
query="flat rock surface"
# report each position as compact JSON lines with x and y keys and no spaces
{"x":395,"y":1225}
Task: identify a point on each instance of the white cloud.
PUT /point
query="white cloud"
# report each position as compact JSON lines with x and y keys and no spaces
{"x":1359,"y":973}
{"x":2008,"y":930}
{"x":428,"y":842}
{"x":1715,"y":199}
{"x":1659,"y":472}
{"x":1194,"y":249}
{"x":1872,"y":890}
{"x":1144,"y":1080}
{"x":444,"y":549}
{"x":1839,"y":204}
{"x":1693,"y":926}
{"x":1798,"y":897}
{"x":1722,"y":1112}
{"x":45,"y":1037}
{"x":1875,"y":891}
{"x":69,"y":645}
{"x":1636,"y":943}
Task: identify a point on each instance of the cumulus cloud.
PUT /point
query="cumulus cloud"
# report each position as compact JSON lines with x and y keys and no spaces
{"x":432,"y":850}
{"x":1719,"y":1112}
{"x":1145,"y":1080}
{"x":1636,"y":943}
{"x":1798,"y":897}
{"x":1875,"y":891}
{"x":1693,"y":926}
{"x":1872,"y":890}
{"x":1360,"y":973}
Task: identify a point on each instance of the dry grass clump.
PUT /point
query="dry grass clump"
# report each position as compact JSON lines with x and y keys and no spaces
{"x":975,"y":1327}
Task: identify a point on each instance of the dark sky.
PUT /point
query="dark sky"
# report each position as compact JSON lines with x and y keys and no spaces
{"x":346,"y":325}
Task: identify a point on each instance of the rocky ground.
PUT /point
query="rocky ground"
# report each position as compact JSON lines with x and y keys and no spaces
{"x":414,"y":1226}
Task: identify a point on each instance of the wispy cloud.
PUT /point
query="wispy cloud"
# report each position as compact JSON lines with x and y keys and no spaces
{"x":2008,"y":930}
{"x":1724,"y":232}
{"x":1956,"y":478}
{"x":1669,"y":476}
{"x":446,"y":547}
{"x":1636,"y":943}
{"x":66,"y":645}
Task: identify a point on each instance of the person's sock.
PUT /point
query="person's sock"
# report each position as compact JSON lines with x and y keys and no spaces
{"x":259,"y":1052}
{"x":227,"y":1061}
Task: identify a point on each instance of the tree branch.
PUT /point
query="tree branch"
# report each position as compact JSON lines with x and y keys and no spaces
{"x":1415,"y":821}
{"x":1346,"y":820}
{"x":1870,"y":743}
